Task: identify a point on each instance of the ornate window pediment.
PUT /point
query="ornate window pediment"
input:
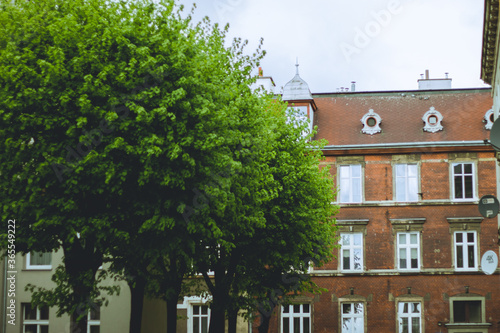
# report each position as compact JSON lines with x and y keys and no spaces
{"x":371,"y":123}
{"x":432,"y":120}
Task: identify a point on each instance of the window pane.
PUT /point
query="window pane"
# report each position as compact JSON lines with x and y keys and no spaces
{"x":204,"y":324}
{"x":356,"y":171}
{"x":285,"y":308}
{"x":29,"y":312}
{"x":460,"y":257}
{"x":358,"y":308}
{"x":356,"y":239}
{"x":346,"y":308}
{"x":30,"y":329}
{"x":470,"y":255}
{"x":356,"y":190}
{"x":474,"y":311}
{"x":402,"y":258}
{"x":468,"y":186}
{"x":404,"y":325}
{"x":196,"y":324}
{"x":467,"y":168}
{"x":458,"y":187}
{"x":358,"y":325}
{"x":457,"y":168}
{"x":306,"y":325}
{"x":44,"y":313}
{"x":346,"y":239}
{"x":296,"y":325}
{"x":40,"y":258}
{"x":415,"y":308}
{"x":286,"y":325}
{"x":204,"y":309}
{"x":45,"y":329}
{"x":357,"y":259}
{"x":413,"y":238}
{"x":415,"y":325}
{"x":400,"y":189}
{"x":196,"y":309}
{"x":402,"y":239}
{"x":412,"y":189}
{"x":470,"y":237}
{"x":412,"y":170}
{"x":459,"y":312}
{"x":296,"y":308}
{"x":344,"y":190}
{"x":95,"y":329}
{"x":347,"y":325}
{"x":459,"y":237}
{"x":346,"y":259}
{"x":305,"y":308}
{"x":400,"y":170}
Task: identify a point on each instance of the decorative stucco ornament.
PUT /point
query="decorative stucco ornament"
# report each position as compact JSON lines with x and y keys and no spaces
{"x":432,"y":120}
{"x":488,"y":117}
{"x":371,"y":123}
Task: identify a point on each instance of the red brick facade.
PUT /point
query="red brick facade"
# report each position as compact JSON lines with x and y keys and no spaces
{"x":445,"y":287}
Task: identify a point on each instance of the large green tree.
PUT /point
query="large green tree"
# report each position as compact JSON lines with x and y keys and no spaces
{"x":111,"y":115}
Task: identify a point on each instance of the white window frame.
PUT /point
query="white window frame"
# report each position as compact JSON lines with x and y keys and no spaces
{"x":352,"y":316}
{"x":410,"y":315}
{"x":38,"y":321}
{"x":406,"y":179}
{"x":465,"y":245}
{"x":291,"y":315}
{"x":407,"y":248}
{"x":94,"y":322}
{"x":192,"y":317}
{"x":351,"y":247}
{"x":463,"y":175}
{"x":37,"y":267}
{"x":345,"y":175}
{"x":188,"y":303}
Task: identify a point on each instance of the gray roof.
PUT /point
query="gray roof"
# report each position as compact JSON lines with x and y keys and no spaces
{"x":296,"y":89}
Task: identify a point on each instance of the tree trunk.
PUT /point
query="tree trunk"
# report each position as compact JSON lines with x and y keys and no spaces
{"x":217,"y":316}
{"x":137,"y":302}
{"x":264,"y":323}
{"x":232,"y":320}
{"x":172,"y":315}
{"x":80,"y":326}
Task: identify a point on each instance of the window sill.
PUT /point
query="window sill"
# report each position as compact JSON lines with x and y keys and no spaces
{"x":467,"y":325}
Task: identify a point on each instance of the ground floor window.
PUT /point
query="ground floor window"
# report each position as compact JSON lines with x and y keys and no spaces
{"x":200,"y":318}
{"x":296,"y":318}
{"x":35,"y":319}
{"x":409,"y":315}
{"x":353,"y":319}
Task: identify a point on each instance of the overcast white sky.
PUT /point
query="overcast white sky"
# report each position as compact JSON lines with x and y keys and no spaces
{"x":380,"y":44}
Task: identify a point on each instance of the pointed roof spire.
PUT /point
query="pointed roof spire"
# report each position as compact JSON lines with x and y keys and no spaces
{"x":296,"y":88}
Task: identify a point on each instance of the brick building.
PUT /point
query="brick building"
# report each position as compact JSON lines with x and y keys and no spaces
{"x":411,"y":167}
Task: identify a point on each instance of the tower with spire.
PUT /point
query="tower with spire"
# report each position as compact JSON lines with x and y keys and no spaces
{"x":296,"y":92}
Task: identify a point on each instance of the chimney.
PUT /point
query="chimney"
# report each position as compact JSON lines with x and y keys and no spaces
{"x":353,"y":86}
{"x":261,"y":72}
{"x":427,"y":74}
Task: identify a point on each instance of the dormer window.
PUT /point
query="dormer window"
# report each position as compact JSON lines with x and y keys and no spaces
{"x":371,"y":123}
{"x":432,"y":120}
{"x":489,"y":119}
